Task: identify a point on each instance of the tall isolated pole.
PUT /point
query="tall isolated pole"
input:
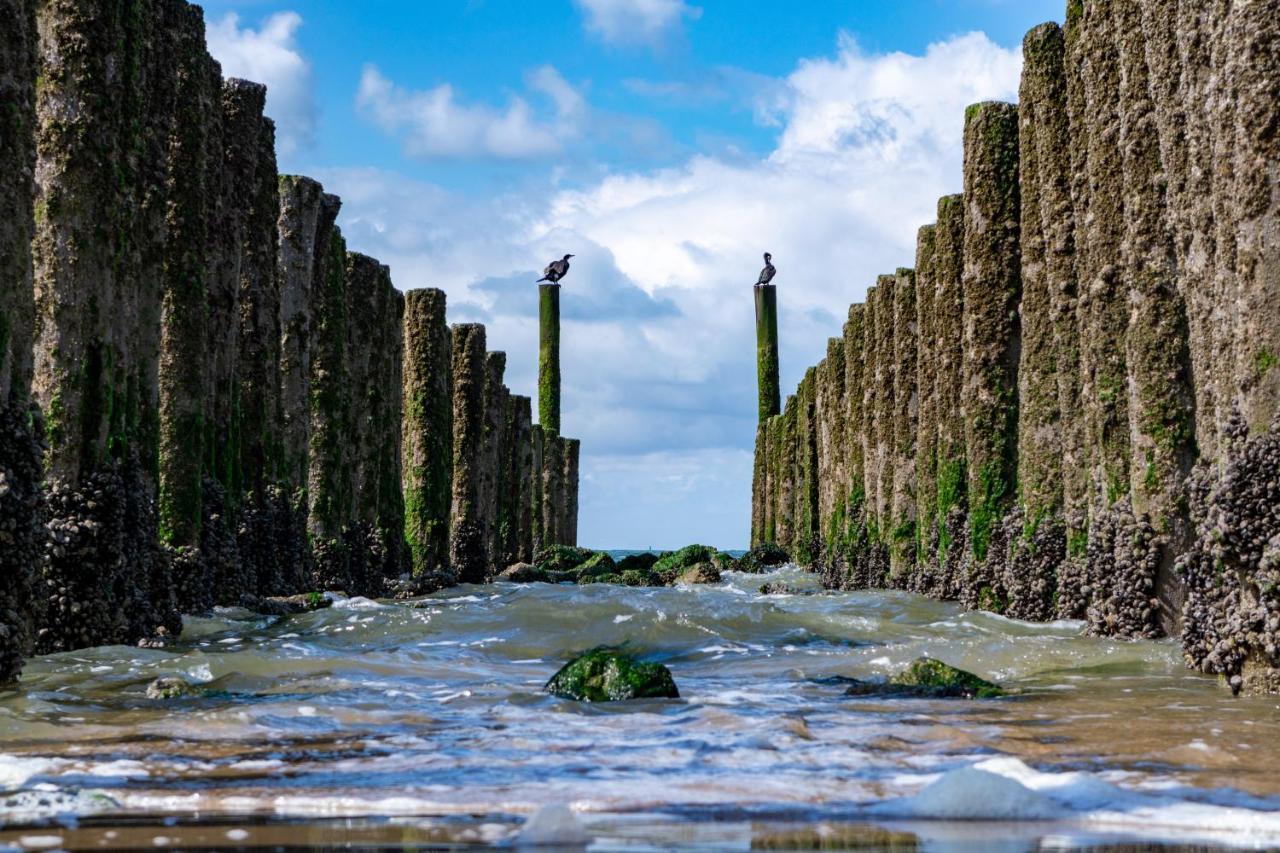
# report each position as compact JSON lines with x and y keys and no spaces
{"x":549,"y":359}
{"x":767,"y":350}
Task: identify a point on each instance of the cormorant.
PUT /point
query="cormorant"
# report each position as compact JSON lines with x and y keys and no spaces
{"x":555,"y":271}
{"x":767,"y":274}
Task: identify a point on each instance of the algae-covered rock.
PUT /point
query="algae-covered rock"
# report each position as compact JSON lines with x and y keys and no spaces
{"x":609,"y":578}
{"x":635,"y":577}
{"x":607,"y":675}
{"x":686,"y":558}
{"x":599,"y":563}
{"x":170,"y":687}
{"x":638,"y":562}
{"x":523,"y":573}
{"x":763,"y":558}
{"x":700,"y":573}
{"x":290,"y":605}
{"x":562,"y":558}
{"x":930,"y":679}
{"x":725,"y":562}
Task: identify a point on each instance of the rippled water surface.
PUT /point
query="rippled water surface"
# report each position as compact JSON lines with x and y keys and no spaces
{"x":424,"y":722}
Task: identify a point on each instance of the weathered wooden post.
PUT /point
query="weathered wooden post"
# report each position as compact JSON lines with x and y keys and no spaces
{"x":767,"y":350}
{"x":549,"y":358}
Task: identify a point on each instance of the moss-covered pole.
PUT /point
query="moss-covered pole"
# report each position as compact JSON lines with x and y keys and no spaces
{"x":871,"y":384}
{"x":329,"y":478}
{"x":300,"y":224}
{"x":950,"y":515}
{"x":19,"y":451}
{"x":259,"y":346}
{"x":767,"y":350}
{"x":1161,"y":396}
{"x":427,"y":430}
{"x":992,"y":289}
{"x":97,"y":318}
{"x":886,"y":370}
{"x":832,"y":480}
{"x":806,"y":470}
{"x":492,"y":483}
{"x":926,"y":489}
{"x":522,"y":474}
{"x":549,"y":358}
{"x":467,"y":519}
{"x":905,"y":421}
{"x":852,"y":517}
{"x":552,"y":489}
{"x":183,"y":381}
{"x":1093,"y":103}
{"x":537,"y":523}
{"x":760,"y":487}
{"x":572,"y":466}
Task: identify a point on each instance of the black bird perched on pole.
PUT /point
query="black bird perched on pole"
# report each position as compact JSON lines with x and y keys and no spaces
{"x":767,"y":274}
{"x":555,"y":271}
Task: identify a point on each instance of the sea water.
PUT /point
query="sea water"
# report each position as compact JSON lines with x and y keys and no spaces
{"x":424,"y":723}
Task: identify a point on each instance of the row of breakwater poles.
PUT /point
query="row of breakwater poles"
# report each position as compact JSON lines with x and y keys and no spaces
{"x":205,"y":397}
{"x":1067,"y":407}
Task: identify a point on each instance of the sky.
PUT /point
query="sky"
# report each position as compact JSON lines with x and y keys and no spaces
{"x":665,"y":143}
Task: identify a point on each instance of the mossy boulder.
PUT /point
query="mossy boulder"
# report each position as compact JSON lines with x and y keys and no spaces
{"x":637,"y":563}
{"x":598,"y":563}
{"x":562,"y":558}
{"x":686,"y":558}
{"x":607,"y":675}
{"x":929,"y":679}
{"x":635,"y":577}
{"x":702,"y":573}
{"x":763,"y":558}
{"x":724,"y":562}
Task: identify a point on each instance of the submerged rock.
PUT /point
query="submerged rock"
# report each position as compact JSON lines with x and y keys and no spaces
{"x":607,"y":675}
{"x":170,"y":687}
{"x":290,"y":605}
{"x":930,"y":679}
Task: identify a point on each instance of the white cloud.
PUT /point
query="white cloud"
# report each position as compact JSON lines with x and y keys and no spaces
{"x":433,"y":123}
{"x":635,"y":20}
{"x":867,"y":144}
{"x":271,"y":55}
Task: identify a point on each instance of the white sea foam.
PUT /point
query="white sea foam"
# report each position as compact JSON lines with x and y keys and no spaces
{"x":553,"y":826}
{"x":1005,"y":788}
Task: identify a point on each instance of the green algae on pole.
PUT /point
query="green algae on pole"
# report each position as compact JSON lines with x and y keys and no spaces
{"x":926,"y":447}
{"x":467,"y":519}
{"x":992,"y":289}
{"x":182,"y":377}
{"x":428,"y":430}
{"x":549,"y":358}
{"x":906,"y":400}
{"x":572,"y":463}
{"x":96,"y":271}
{"x":767,"y":350}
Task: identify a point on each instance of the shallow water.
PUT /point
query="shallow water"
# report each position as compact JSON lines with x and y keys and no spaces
{"x":424,"y":722}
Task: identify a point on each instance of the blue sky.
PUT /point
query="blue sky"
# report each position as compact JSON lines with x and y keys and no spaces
{"x":667,"y":143}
